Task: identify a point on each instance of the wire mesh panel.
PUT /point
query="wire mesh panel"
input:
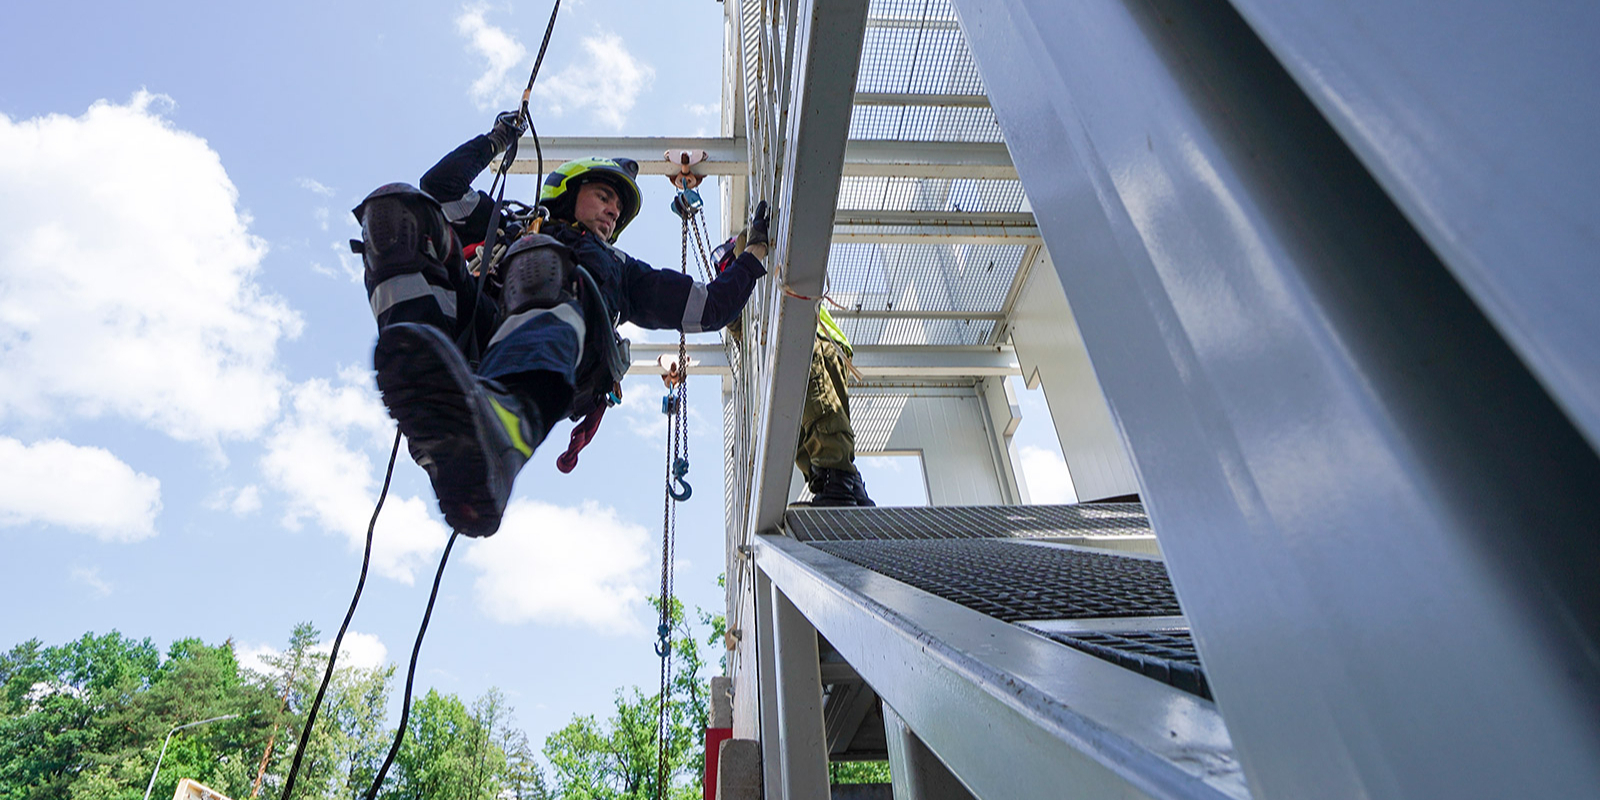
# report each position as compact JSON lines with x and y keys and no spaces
{"x":1014,"y":581}
{"x":1168,"y":656}
{"x":966,"y":522}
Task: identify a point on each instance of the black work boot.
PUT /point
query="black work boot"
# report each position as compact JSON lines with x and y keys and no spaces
{"x":469,"y":433}
{"x":837,"y":487}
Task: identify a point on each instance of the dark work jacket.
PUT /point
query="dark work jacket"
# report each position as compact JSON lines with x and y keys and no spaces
{"x":634,"y":291}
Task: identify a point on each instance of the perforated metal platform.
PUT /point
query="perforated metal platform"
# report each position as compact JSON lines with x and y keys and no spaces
{"x":967,"y":522}
{"x":1015,"y":581}
{"x":1168,"y":656}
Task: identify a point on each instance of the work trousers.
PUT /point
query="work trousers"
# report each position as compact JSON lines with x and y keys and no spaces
{"x":533,"y":354}
{"x":826,"y":439}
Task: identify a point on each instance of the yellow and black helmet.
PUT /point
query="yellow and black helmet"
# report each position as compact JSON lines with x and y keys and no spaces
{"x":560,"y":189}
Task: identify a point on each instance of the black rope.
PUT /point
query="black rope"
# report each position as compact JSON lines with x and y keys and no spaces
{"x":469,"y":343}
{"x":327,"y":674}
{"x":411,"y":670}
{"x":468,"y":340}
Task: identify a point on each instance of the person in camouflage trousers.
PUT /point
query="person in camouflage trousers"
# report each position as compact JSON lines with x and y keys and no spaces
{"x":826,"y":454}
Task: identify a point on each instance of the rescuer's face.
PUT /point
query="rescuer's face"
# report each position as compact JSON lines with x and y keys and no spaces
{"x":597,"y":208}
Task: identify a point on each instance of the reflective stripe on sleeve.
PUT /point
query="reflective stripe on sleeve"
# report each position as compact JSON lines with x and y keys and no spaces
{"x":694,"y":308}
{"x":458,"y":210}
{"x":410,"y":287}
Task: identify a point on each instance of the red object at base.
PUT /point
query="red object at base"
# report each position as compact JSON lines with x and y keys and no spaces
{"x":714,"y":739}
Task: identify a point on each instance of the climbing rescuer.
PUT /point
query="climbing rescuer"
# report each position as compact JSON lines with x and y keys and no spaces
{"x":546,"y":328}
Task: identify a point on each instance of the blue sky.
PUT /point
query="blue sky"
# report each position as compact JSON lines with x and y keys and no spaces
{"x":190,"y":443}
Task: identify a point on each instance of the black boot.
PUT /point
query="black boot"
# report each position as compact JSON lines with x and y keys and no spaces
{"x":470,"y":434}
{"x":837,"y":487}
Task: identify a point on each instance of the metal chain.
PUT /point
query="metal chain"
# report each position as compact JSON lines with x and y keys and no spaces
{"x":677,"y":451}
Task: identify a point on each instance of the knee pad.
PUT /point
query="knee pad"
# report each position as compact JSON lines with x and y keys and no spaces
{"x":536,"y":272}
{"x":402,"y":231}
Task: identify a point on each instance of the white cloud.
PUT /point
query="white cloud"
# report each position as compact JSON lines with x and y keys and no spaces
{"x":1047,"y":476}
{"x":349,"y":263}
{"x":90,"y":577}
{"x":315,"y":186}
{"x":247,"y":502}
{"x":606,"y":79}
{"x":85,"y":489}
{"x":240,"y":502}
{"x":128,"y":278}
{"x":321,"y":455}
{"x":321,"y":216}
{"x":582,"y":567}
{"x":360,"y":650}
{"x":501,"y":50}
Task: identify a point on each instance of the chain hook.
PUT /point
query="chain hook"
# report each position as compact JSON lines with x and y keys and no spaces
{"x":680,"y":468}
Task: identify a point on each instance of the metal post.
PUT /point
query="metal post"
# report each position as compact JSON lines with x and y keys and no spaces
{"x":917,"y":774}
{"x":767,"y":684}
{"x":167,"y":740}
{"x":803,"y":748}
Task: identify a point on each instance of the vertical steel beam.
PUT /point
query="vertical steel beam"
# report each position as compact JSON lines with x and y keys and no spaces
{"x":767,"y":684}
{"x":828,"y":54}
{"x":1379,"y":523}
{"x":803,"y":746}
{"x":1487,"y":146}
{"x":917,"y":774}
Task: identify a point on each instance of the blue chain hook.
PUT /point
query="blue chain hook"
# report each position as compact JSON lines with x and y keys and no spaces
{"x":662,"y":632}
{"x":680,"y":468}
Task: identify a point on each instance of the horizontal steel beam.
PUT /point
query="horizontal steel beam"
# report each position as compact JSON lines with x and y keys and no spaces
{"x":869,"y":313}
{"x":935,"y":100}
{"x":886,"y":361}
{"x":724,"y":155}
{"x":901,"y":23}
{"x":727,"y":156}
{"x":935,"y":227}
{"x":1052,"y":717}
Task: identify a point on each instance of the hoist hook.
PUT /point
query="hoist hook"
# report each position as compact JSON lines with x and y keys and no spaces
{"x":662,"y":640}
{"x":680,"y":468}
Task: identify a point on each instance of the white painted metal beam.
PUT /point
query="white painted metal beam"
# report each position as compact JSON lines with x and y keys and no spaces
{"x":887,"y":361}
{"x":727,"y":156}
{"x":935,"y":227}
{"x":1378,"y":518}
{"x":803,"y":743}
{"x":935,"y":100}
{"x":828,"y":54}
{"x":1054,"y":722}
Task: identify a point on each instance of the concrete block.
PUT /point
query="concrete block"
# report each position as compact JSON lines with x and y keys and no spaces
{"x":721,"y":702}
{"x":739,"y":774}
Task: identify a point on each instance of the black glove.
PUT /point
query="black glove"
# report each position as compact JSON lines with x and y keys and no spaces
{"x":756,"y":232}
{"x":508,"y":126}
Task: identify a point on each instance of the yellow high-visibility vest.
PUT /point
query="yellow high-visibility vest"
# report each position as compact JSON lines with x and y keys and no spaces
{"x":827,"y":327}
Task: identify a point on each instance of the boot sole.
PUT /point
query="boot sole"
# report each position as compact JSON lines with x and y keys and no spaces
{"x":432,"y":396}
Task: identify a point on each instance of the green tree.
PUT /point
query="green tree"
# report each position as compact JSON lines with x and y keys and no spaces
{"x":617,"y":760}
{"x":450,"y":752}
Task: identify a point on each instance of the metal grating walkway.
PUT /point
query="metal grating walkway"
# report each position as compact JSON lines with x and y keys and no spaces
{"x":1168,"y":656}
{"x":967,"y":522}
{"x":1014,"y":581}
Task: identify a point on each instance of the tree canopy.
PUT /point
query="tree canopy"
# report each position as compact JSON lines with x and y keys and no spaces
{"x":86,"y":720}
